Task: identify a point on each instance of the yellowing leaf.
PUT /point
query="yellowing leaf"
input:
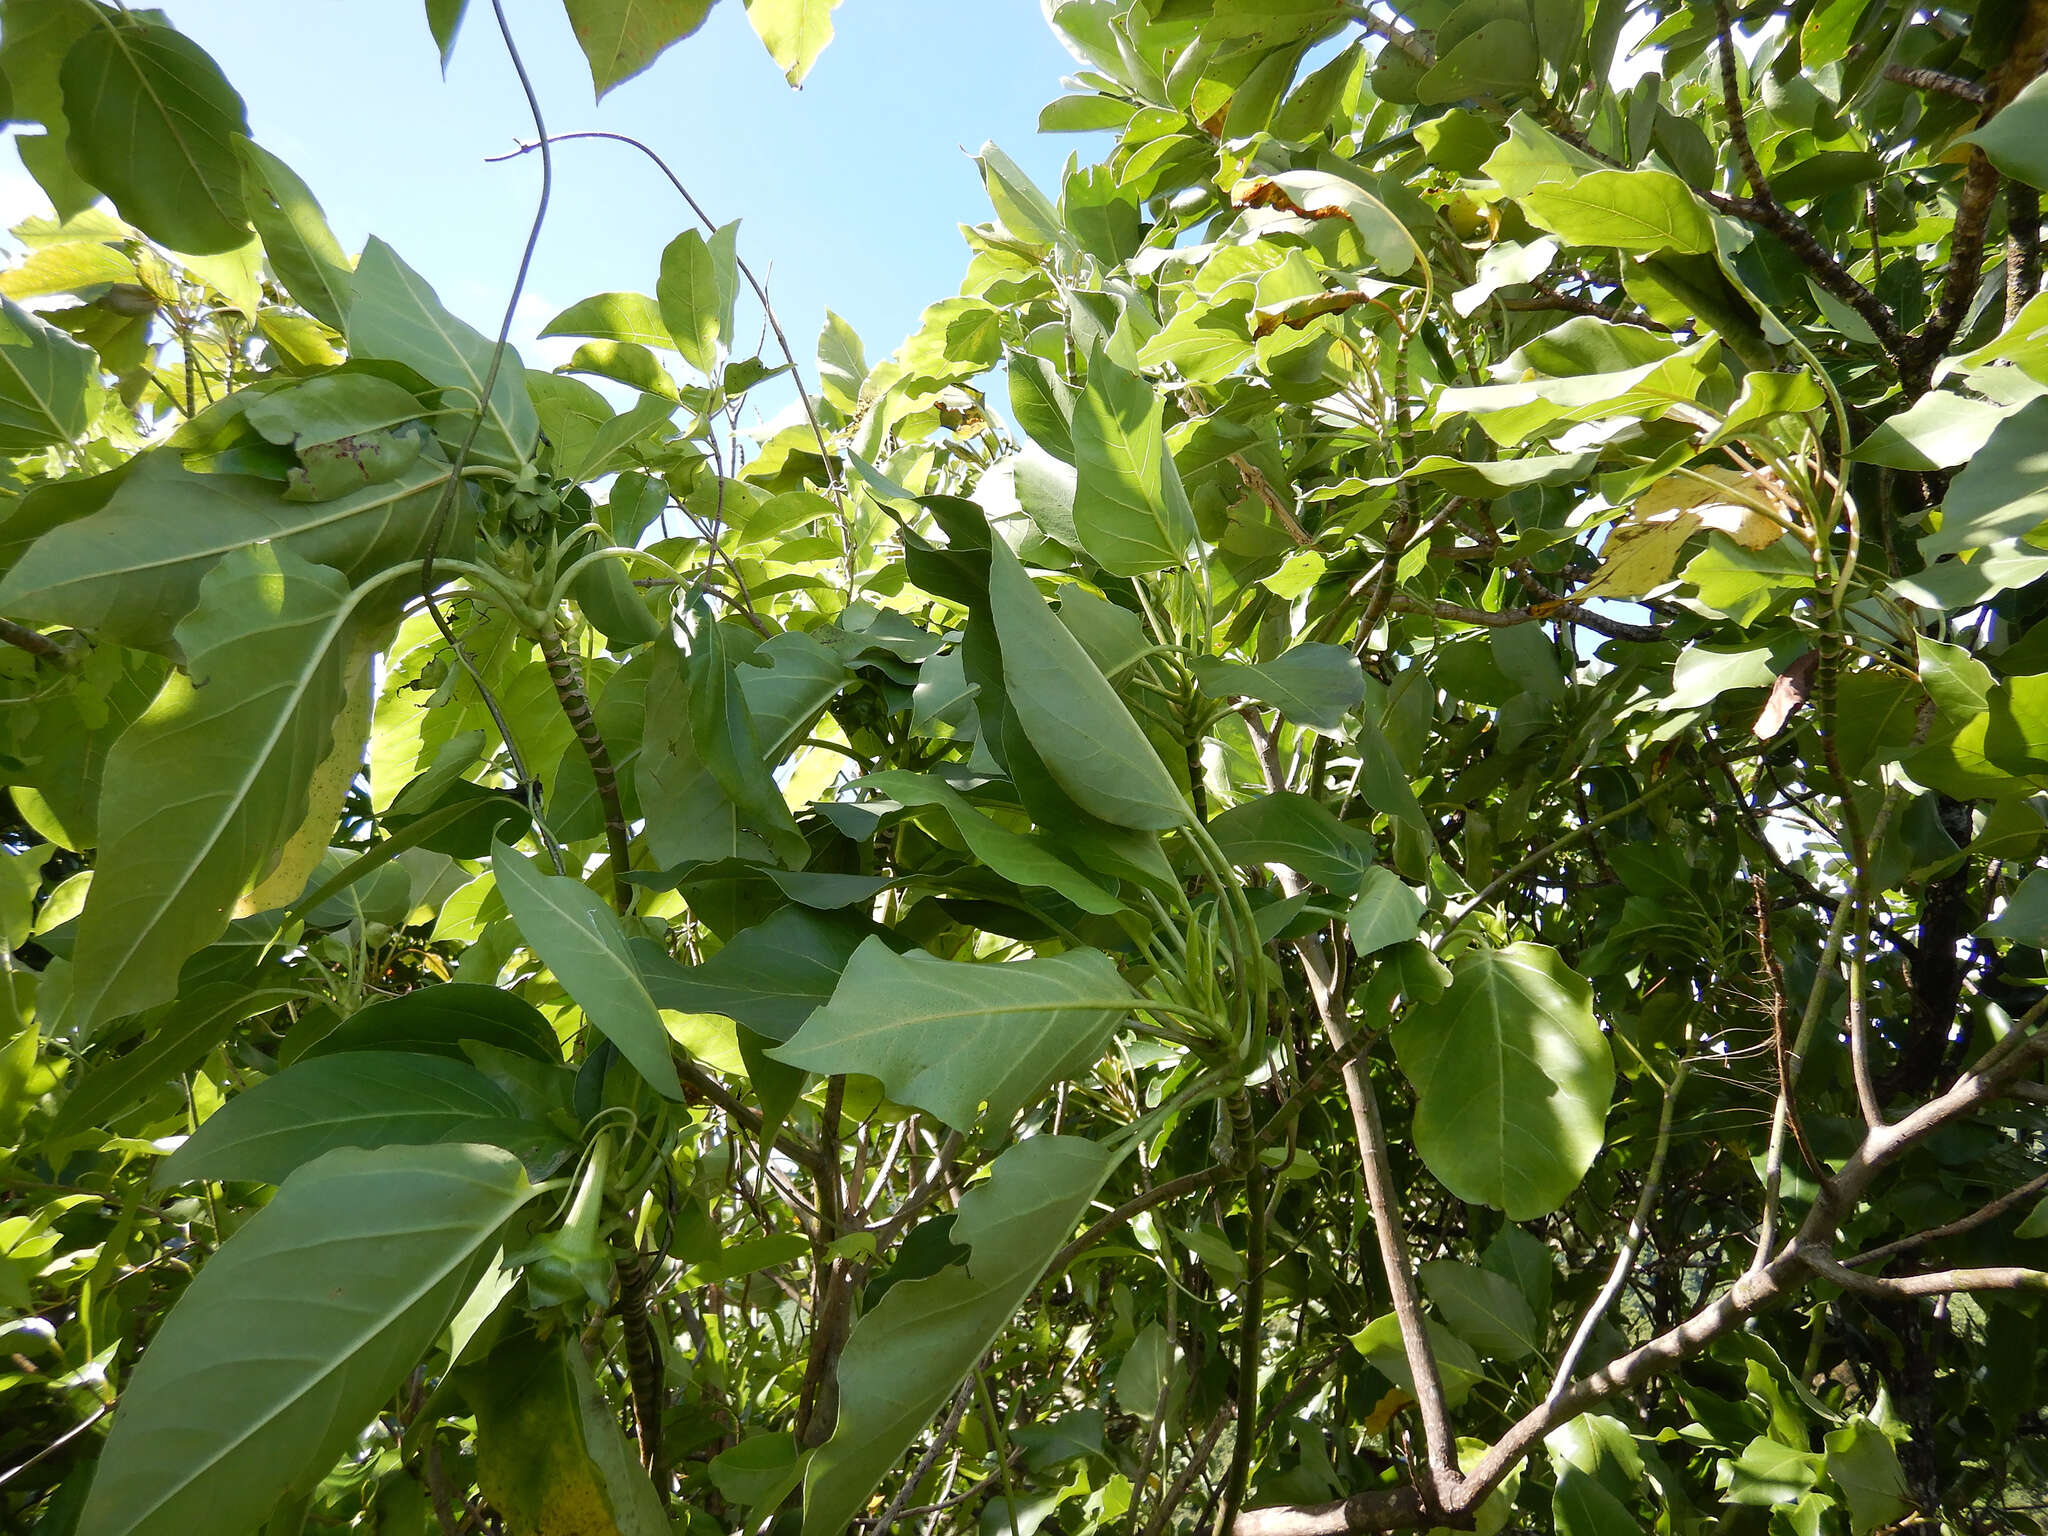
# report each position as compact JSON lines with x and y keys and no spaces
{"x":795,"y":32}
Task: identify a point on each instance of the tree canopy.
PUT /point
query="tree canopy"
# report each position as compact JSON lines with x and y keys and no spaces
{"x":1358,"y":849}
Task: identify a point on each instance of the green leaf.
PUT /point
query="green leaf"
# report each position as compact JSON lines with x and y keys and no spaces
{"x":1388,"y":911}
{"x":770,"y":977}
{"x":1386,"y":238}
{"x":1513,"y":1079}
{"x":579,"y":938}
{"x":1630,"y":210}
{"x":444,"y":20}
{"x":907,"y":1356}
{"x":1500,"y":58}
{"x":331,"y":406}
{"x":395,"y":316}
{"x":1938,"y":431}
{"x":131,"y":570}
{"x":623,"y":317}
{"x":842,"y":364}
{"x":437,"y":1020}
{"x":1768,"y":1473}
{"x":1864,"y":1466}
{"x":1017,"y":858}
{"x":1581,"y":1506}
{"x":357,"y":1099}
{"x":1485,"y":1310}
{"x":1380,"y":1342}
{"x":295,"y":1333}
{"x":44,"y":379}
{"x":1043,"y":404}
{"x":153,"y":124}
{"x":794,"y":32}
{"x":1299,"y":832}
{"x":177,"y":1037}
{"x":1091,"y":745}
{"x":948,"y":1036}
{"x":2016,"y":140}
{"x":1312,"y":685}
{"x":695,"y":298}
{"x":620,"y":38}
{"x":1130,"y":510}
{"x":303,"y":252}
{"x":2001,"y":494}
{"x":1534,"y":157}
{"x":1024,"y":210}
{"x":730,"y":746}
{"x":202,"y":792}
{"x":1486,"y":480}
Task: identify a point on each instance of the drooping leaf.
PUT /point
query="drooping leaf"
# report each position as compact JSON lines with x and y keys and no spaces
{"x":948,"y":1036}
{"x":1074,"y":719}
{"x":394,"y":315}
{"x":202,"y":792}
{"x":579,"y":938}
{"x":1298,"y":832}
{"x":354,"y":1099}
{"x":624,"y":317}
{"x":1130,"y":510}
{"x":908,"y":1355}
{"x":293,"y":1335}
{"x":1513,"y":1079}
{"x":152,"y":123}
{"x":620,"y":38}
{"x":1387,"y":911}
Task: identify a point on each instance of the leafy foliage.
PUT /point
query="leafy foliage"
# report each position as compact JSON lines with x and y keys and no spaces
{"x":1358,"y":849}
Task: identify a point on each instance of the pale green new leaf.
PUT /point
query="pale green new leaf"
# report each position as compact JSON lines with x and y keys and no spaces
{"x":202,"y":792}
{"x":579,"y":938}
{"x":620,"y":38}
{"x":794,"y":32}
{"x":1073,"y":718}
{"x":948,"y":1036}
{"x":44,"y":376}
{"x":349,"y":1099}
{"x":295,"y":1333}
{"x":1513,"y":1079}
{"x":624,"y":317}
{"x":395,"y":316}
{"x":908,"y":1355}
{"x":1130,"y":509}
{"x":695,"y":296}
{"x":153,"y":124}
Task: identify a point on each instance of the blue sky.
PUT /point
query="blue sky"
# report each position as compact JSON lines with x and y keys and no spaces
{"x":850,"y":190}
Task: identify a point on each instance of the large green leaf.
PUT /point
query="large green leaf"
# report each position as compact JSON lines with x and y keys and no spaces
{"x":1486,"y":1310}
{"x":202,"y":792}
{"x":1298,"y":832}
{"x":1016,"y":857}
{"x":1629,"y":210}
{"x":620,"y":38}
{"x":303,"y":252}
{"x":2001,"y":494}
{"x":2016,"y":140}
{"x":294,"y":1334}
{"x":950,"y":1035}
{"x":1091,"y":745}
{"x":770,"y":977}
{"x":1130,"y":510}
{"x":908,"y":1355}
{"x":794,"y":32}
{"x":437,"y":1020}
{"x":395,"y":316}
{"x":1513,"y":1079}
{"x":153,"y":123}
{"x":133,"y":569}
{"x":44,"y":376}
{"x":1312,"y":685}
{"x":732,"y":747}
{"x":355,"y":1099}
{"x":579,"y":939}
